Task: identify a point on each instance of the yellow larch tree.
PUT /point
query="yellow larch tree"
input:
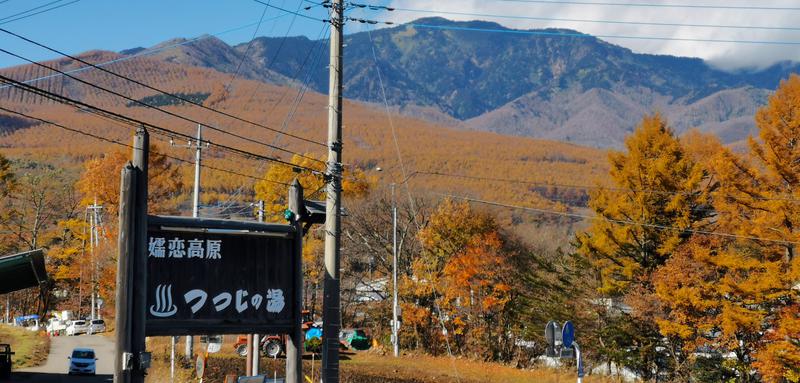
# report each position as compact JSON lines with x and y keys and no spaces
{"x":658,"y":194}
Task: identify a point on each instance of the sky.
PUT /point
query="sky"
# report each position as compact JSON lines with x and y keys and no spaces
{"x":82,"y":25}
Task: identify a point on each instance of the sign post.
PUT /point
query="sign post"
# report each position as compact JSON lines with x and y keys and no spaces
{"x":209,"y":276}
{"x":196,"y":276}
{"x":561,"y":343}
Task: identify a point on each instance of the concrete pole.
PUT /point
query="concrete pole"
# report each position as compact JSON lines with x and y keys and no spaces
{"x":331,"y":309}
{"x":189,"y":348}
{"x":395,"y":308}
{"x":256,"y":349}
{"x":92,"y":239}
{"x":197,"y":156}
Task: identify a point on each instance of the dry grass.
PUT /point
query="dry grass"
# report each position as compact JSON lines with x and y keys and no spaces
{"x":30,"y":348}
{"x":366,"y":367}
{"x":370,"y":367}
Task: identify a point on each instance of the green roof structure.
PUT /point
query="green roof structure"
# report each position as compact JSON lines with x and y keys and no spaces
{"x":22,"y":270}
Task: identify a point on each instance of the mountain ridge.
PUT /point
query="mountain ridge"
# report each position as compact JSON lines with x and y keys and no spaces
{"x":509,"y":84}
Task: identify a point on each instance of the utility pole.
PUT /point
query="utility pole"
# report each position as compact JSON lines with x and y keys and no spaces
{"x":294,"y":344}
{"x":198,"y":146}
{"x":124,"y":299}
{"x":331,"y":309}
{"x":94,"y":242}
{"x":395,"y":308}
{"x":141,"y":155}
{"x":331,"y":301}
{"x":255,"y":348}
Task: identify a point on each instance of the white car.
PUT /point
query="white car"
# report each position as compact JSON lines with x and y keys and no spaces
{"x":96,"y":326}
{"x":77,"y":327}
{"x":82,"y":361}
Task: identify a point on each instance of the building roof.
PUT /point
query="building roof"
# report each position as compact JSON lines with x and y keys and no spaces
{"x":21,"y":271}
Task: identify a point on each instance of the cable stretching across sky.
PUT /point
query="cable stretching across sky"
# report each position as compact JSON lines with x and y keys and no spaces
{"x":109,"y":140}
{"x":183,"y":99}
{"x":656,"y":5}
{"x":623,"y":22}
{"x":27,"y":13}
{"x":617,"y":221}
{"x":601,"y":36}
{"x":133,"y":122}
{"x":157,"y":108}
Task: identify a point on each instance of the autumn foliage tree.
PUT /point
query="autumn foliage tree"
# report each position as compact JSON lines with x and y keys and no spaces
{"x":461,"y":284}
{"x":656,"y":186}
{"x":101,"y":179}
{"x":273,"y":191}
{"x":729,"y":288}
{"x":659,"y":194}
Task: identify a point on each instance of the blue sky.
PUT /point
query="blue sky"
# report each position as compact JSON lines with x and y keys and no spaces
{"x":121,"y":24}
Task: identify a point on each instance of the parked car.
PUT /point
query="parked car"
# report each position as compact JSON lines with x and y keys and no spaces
{"x":96,"y":326}
{"x":77,"y":327}
{"x":82,"y":361}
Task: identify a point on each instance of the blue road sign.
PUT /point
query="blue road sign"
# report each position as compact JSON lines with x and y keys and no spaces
{"x":567,"y":334}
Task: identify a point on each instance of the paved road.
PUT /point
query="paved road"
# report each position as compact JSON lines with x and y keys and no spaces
{"x":55,"y":369}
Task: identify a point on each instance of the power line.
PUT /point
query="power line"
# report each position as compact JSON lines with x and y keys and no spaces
{"x":617,"y":221}
{"x":301,"y":91}
{"x":277,"y":51}
{"x":136,"y":123}
{"x":137,"y":82}
{"x":654,"y":5}
{"x":244,"y":138}
{"x":151,"y":51}
{"x":22,"y":15}
{"x":246,"y":51}
{"x":601,"y":36}
{"x":297,"y":13}
{"x":109,"y":140}
{"x":586,"y":187}
{"x":623,"y":22}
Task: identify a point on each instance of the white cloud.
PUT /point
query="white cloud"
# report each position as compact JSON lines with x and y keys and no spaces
{"x":724,"y":55}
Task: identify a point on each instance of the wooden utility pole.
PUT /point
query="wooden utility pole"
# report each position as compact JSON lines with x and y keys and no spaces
{"x":127,"y":201}
{"x":294,"y":345}
{"x":331,"y":309}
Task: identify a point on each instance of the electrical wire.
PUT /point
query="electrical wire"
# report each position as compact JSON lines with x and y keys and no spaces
{"x":297,"y":13}
{"x":137,"y":82}
{"x":150,"y":51}
{"x":247,"y":50}
{"x":623,"y":22}
{"x":323,"y":32}
{"x":412,"y":205}
{"x":600,"y":36}
{"x":588,"y":187}
{"x":109,"y":140}
{"x":618,"y":221}
{"x":173,"y":114}
{"x":38,"y":13}
{"x":22,"y":15}
{"x":271,"y":62}
{"x":136,"y":123}
{"x":654,"y":5}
